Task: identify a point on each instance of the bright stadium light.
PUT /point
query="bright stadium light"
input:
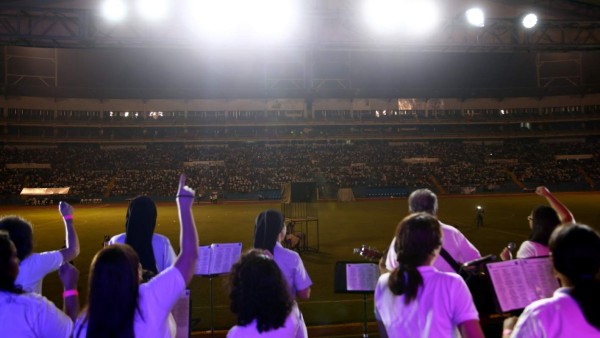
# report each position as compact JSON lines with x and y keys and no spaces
{"x":153,"y":9}
{"x":211,"y":18}
{"x":382,"y":15}
{"x":475,"y":17}
{"x":114,"y":10}
{"x":420,"y":16}
{"x":529,"y":20}
{"x":267,"y":18}
{"x":394,"y":16}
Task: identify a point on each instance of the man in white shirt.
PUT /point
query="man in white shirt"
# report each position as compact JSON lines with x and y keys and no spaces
{"x":453,"y":241}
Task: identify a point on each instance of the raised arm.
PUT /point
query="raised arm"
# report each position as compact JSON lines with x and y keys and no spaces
{"x":71,"y":249}
{"x":188,"y":239}
{"x":69,"y":275}
{"x":564,"y":214}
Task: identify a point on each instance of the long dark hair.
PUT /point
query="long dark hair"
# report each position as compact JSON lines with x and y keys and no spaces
{"x":576,"y":254}
{"x":544,"y":221}
{"x":21,"y":234}
{"x":267,"y":227}
{"x":259,"y":291}
{"x":139,"y":229}
{"x":113,"y":292}
{"x":417,"y":236}
{"x":7,"y":277}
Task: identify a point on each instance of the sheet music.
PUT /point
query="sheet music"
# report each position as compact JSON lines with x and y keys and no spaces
{"x":224,"y":255}
{"x":543,"y":282}
{"x":203,"y":264}
{"x":519,"y":282}
{"x":217,"y":258}
{"x":361,"y":276}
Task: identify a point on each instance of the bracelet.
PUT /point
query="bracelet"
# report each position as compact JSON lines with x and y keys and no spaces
{"x":506,"y":332}
{"x":68,"y":217}
{"x":70,"y":293}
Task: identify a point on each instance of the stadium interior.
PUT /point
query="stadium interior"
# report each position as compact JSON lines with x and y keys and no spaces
{"x":97,"y":111}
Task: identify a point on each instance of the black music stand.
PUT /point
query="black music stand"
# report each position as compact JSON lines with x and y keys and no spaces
{"x":216,"y":260}
{"x":363,"y":281}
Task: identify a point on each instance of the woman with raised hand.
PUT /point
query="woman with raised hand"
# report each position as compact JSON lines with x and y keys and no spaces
{"x":35,"y":266}
{"x":118,"y":305}
{"x":260,"y":300}
{"x":542,"y":222}
{"x":415,"y":299}
{"x":28,"y":314}
{"x":574,"y":309}
{"x":154,"y":250}
{"x":269,"y":232}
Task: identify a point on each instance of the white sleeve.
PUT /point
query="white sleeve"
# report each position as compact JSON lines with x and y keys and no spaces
{"x":301,"y":278}
{"x":526,"y":250}
{"x":164,"y":290}
{"x":467,"y":251}
{"x":528,"y":326}
{"x":464,"y":308}
{"x":391,"y":260}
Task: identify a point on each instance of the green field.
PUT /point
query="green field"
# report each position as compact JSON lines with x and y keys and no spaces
{"x":343,"y":226}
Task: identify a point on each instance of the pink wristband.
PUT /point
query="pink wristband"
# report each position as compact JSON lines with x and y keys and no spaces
{"x":70,"y":293}
{"x":68,"y":216}
{"x":506,"y":332}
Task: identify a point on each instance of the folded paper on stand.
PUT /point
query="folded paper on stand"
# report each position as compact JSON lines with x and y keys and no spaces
{"x":217,"y":258}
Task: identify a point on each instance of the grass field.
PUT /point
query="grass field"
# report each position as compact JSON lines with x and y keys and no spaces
{"x":343,"y":226}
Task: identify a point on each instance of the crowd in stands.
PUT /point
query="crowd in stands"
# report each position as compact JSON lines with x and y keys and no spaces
{"x":93,"y":171}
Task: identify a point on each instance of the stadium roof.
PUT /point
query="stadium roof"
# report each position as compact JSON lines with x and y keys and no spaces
{"x":64,"y":49}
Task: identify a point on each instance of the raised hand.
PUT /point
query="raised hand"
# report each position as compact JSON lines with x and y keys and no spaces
{"x":65,"y":209}
{"x":185,"y":194}
{"x":542,"y":191}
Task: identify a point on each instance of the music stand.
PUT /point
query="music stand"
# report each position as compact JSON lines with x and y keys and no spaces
{"x":216,"y":260}
{"x":358,"y":278}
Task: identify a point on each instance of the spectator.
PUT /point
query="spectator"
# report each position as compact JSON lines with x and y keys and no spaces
{"x":574,"y":309}
{"x":260,"y":300}
{"x":118,"y":306}
{"x":154,"y":250}
{"x":417,"y":300}
{"x":35,"y":266}
{"x":27,"y":314}
{"x":269,"y":231}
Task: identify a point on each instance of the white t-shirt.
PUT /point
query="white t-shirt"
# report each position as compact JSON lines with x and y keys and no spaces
{"x":532,"y":249}
{"x":457,"y":245}
{"x":292,"y":328}
{"x":442,"y":303}
{"x":292,"y":268}
{"x":164,"y":255}
{"x":31,"y":315}
{"x":35,"y":267}
{"x":554,"y":317}
{"x":156,"y":299}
